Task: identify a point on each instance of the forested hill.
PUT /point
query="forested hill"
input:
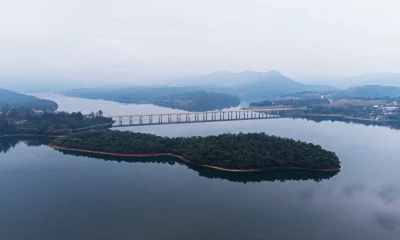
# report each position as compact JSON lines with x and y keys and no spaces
{"x":370,"y":91}
{"x":198,"y":101}
{"x":232,"y":151}
{"x":12,"y":99}
{"x":247,"y":85}
{"x":128,"y":94}
{"x":184,"y":98}
{"x":25,"y":121}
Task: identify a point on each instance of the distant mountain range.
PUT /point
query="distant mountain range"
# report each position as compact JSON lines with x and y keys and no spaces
{"x":273,"y":83}
{"x":13,"y":99}
{"x":369,"y":91}
{"x":249,"y":86}
{"x":382,"y":79}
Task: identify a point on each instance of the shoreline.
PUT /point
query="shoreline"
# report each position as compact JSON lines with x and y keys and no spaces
{"x":54,"y":136}
{"x":30,"y":135}
{"x":190,"y":162}
{"x":95,"y":126}
{"x":335,"y":116}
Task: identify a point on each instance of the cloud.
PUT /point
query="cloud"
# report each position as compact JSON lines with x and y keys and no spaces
{"x":350,"y":190}
{"x":389,"y":193}
{"x":307,"y":194}
{"x":387,"y":221}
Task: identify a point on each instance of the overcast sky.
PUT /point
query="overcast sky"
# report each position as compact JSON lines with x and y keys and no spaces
{"x":130,"y":40}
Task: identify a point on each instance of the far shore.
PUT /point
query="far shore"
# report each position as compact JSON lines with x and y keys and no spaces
{"x":190,"y":162}
{"x":30,"y":135}
{"x":55,"y":136}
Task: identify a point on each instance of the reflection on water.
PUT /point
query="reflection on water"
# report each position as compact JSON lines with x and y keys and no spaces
{"x":393,"y":125}
{"x":270,"y":176}
{"x":48,"y":195}
{"x":7,"y":143}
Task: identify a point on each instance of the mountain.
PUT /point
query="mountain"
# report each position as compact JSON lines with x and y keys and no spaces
{"x":248,"y":85}
{"x":13,"y":99}
{"x":219,"y":79}
{"x":251,"y":85}
{"x":185,"y":98}
{"x":198,"y":101}
{"x":382,"y":79}
{"x":342,"y":82}
{"x":272,"y":84}
{"x":129,"y":94}
{"x":370,"y":91}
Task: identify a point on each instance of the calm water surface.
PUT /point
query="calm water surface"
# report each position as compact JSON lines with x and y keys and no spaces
{"x":48,"y":194}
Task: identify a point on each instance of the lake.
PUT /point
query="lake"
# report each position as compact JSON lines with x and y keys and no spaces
{"x":48,"y":194}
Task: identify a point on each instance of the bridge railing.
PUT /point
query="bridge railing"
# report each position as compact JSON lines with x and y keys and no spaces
{"x":190,"y":117}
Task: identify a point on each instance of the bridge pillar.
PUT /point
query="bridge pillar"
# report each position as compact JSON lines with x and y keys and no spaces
{"x":120,"y":121}
{"x":130,"y":120}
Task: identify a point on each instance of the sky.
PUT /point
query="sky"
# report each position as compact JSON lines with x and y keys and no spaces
{"x":151,"y":40}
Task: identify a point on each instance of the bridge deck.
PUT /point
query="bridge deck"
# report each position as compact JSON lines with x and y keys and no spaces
{"x":197,"y":117}
{"x":208,"y":112}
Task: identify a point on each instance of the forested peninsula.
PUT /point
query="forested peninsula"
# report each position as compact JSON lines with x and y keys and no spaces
{"x":25,"y":121}
{"x":229,"y":152}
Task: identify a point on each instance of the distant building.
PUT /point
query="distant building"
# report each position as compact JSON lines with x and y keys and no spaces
{"x":390,"y":108}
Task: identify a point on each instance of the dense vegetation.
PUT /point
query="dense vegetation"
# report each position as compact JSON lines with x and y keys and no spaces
{"x":129,"y":94}
{"x":233,"y":151}
{"x":198,"y":101}
{"x":250,"y":86}
{"x":290,"y":102}
{"x":12,"y":99}
{"x":25,"y":121}
{"x":185,"y":98}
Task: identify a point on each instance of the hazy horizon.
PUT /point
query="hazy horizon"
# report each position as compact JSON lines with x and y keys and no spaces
{"x":152,"y":42}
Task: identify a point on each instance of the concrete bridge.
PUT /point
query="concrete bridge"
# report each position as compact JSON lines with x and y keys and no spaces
{"x":197,"y":117}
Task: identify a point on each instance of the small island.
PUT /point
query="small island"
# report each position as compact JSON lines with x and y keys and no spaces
{"x":250,"y":152}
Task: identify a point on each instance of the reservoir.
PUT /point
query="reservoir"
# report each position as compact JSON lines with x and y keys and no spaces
{"x":48,"y":194}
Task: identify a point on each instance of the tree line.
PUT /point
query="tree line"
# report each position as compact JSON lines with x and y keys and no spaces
{"x":25,"y":121}
{"x":233,"y":151}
